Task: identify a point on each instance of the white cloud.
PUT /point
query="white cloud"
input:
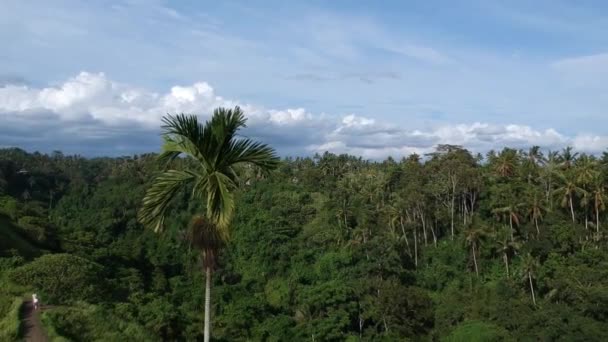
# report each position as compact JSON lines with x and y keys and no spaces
{"x":590,"y":70}
{"x":89,"y":108}
{"x":590,"y":143}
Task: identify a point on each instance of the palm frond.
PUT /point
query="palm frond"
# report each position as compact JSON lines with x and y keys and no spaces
{"x":159,"y":195}
{"x":183,"y":134}
{"x":248,"y":151}
{"x":226,"y":122}
{"x":220,"y":199}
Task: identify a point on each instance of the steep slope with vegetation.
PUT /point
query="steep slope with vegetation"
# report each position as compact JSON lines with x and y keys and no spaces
{"x":449,"y":246}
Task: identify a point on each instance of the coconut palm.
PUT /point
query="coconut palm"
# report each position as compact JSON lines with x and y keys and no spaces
{"x":215,"y":154}
{"x":548,"y":173}
{"x":506,"y":162}
{"x":598,"y":191}
{"x":474,"y":236}
{"x":531,"y":162}
{"x":529,"y":266}
{"x":586,"y":169}
{"x":568,"y":157}
{"x":506,"y":247}
{"x":568,"y":191}
{"x":510,"y":212}
{"x":535,"y":209}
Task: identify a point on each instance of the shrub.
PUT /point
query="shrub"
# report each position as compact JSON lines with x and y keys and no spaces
{"x":10,"y":324}
{"x":477,"y":331}
{"x":86,"y":322}
{"x":37,"y":229}
{"x":9,"y":206}
{"x":61,"y":278}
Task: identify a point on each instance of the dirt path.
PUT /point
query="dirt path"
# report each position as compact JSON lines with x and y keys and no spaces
{"x":31,"y":325}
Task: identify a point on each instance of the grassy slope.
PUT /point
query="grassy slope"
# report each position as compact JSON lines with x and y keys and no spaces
{"x":11,"y":239}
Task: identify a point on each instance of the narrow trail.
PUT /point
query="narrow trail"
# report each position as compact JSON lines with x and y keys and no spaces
{"x":31,"y":324}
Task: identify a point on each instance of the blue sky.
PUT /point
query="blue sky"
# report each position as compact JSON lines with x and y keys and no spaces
{"x":369,"y":78}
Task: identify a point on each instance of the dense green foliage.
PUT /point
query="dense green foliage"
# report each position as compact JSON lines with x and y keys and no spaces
{"x":327,"y":248}
{"x":84,"y":322}
{"x":10,"y":323}
{"x":61,"y":278}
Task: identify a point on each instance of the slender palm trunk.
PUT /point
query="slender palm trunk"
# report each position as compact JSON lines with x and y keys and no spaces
{"x":505,"y":257}
{"x":434,"y":236}
{"x":452,"y":217}
{"x":207,"y":332}
{"x":424,"y":228}
{"x":597,"y":222}
{"x":531,"y":288}
{"x":415,"y":248}
{"x":571,"y":208}
{"x":536,"y":224}
{"x":452,"y":206}
{"x":511,"y":225}
{"x":407,"y":241}
{"x":475,"y":260}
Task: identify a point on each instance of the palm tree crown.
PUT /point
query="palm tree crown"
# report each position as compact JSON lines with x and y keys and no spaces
{"x":217,"y":152}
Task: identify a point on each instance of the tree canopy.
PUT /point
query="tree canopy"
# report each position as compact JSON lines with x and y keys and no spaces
{"x":447,"y":246}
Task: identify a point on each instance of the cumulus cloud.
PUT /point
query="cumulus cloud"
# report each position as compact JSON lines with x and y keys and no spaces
{"x":93,"y":115}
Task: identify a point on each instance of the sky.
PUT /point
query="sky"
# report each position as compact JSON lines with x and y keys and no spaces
{"x":369,"y":78}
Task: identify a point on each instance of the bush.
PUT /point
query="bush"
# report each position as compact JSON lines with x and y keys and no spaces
{"x":37,"y":229}
{"x":9,"y":206}
{"x":86,"y":322}
{"x":11,"y":323}
{"x":61,"y":278}
{"x":477,"y":331}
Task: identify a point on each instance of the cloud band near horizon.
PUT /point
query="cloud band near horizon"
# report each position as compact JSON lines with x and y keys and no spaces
{"x":92,"y":115}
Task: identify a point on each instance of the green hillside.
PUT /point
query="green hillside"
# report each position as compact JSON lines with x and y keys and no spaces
{"x":13,"y":241}
{"x":333,"y":247}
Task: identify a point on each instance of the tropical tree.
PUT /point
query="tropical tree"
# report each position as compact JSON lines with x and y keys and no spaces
{"x":531,"y":162}
{"x":586,"y":169}
{"x":568,"y":190}
{"x":474,"y":236}
{"x":600,"y":197}
{"x":510,"y":213}
{"x":567,"y":157}
{"x":215,"y":154}
{"x":529,"y":266}
{"x":506,"y":247}
{"x":548,"y":173}
{"x":535,"y":209}
{"x":505,"y":164}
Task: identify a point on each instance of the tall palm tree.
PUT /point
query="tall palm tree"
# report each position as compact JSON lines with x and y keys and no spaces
{"x":535,"y":209}
{"x":529,"y":266}
{"x":474,"y":236}
{"x":550,"y":170}
{"x":568,"y":157}
{"x":532,"y":159}
{"x":568,"y":190}
{"x":586,"y":168}
{"x":506,"y":247}
{"x":510,"y":212}
{"x":506,"y":162}
{"x":599,"y":201}
{"x":216,"y":153}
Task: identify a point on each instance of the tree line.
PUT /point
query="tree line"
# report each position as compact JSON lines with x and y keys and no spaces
{"x":452,"y":245}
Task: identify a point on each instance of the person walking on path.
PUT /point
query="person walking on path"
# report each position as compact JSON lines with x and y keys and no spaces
{"x":35,"y":301}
